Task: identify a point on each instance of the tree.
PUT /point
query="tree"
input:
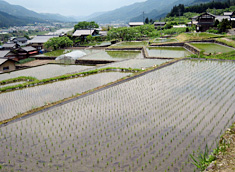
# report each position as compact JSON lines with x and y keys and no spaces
{"x":58,"y":42}
{"x":224,"y":25}
{"x":147,"y":20}
{"x":86,"y":25}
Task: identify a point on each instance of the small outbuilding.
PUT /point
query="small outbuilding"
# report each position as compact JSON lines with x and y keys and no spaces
{"x":159,"y":24}
{"x":7,"y":65}
{"x":134,"y":24}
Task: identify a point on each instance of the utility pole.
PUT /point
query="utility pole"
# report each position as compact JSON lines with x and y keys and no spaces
{"x":143,"y":17}
{"x":179,"y":15}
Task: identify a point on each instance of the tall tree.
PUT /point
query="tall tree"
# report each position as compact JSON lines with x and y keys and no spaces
{"x":86,"y":25}
{"x":147,"y":20}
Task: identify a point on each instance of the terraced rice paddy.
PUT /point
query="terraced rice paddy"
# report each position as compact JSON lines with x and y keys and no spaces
{"x":45,"y":71}
{"x":168,"y":52}
{"x":161,"y":40}
{"x":138,"y":63}
{"x":57,"y":53}
{"x":26,"y":99}
{"x":132,"y":44}
{"x":14,"y":83}
{"x":113,"y":55}
{"x":212,"y":48}
{"x":151,"y":123}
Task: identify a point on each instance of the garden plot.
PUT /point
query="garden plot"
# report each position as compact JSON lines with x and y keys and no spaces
{"x":151,"y":123}
{"x":33,"y":97}
{"x":138,"y":63}
{"x":45,"y":71}
{"x":113,"y":55}
{"x":212,"y":48}
{"x":168,"y":52}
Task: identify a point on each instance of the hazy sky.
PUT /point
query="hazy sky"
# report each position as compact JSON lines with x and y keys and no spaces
{"x":72,"y":7}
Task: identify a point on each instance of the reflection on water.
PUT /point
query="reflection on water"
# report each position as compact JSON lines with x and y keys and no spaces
{"x":174,"y":52}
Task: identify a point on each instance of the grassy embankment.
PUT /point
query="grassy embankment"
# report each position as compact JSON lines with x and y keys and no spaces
{"x":197,"y":36}
{"x":221,"y":158}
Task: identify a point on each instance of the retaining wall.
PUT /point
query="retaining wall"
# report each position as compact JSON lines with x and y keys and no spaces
{"x":191,"y":48}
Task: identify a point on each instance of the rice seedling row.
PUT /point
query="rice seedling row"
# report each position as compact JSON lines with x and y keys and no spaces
{"x":20,"y":101}
{"x":138,"y":63}
{"x":45,"y":71}
{"x":151,"y":123}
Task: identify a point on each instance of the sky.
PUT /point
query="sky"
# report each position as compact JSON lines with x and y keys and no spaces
{"x":72,"y":7}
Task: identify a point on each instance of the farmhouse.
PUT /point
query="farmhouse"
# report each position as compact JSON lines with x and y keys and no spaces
{"x":7,"y":65}
{"x":10,"y":46}
{"x":159,"y":24}
{"x":21,"y":40}
{"x":7,"y":54}
{"x":38,"y":41}
{"x":205,"y":22}
{"x":25,"y":52}
{"x":134,"y":24}
{"x":103,"y":33}
{"x":85,"y":33}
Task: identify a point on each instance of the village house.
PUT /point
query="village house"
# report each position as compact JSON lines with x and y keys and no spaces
{"x":159,"y":24}
{"x":20,"y":41}
{"x":38,"y":41}
{"x":85,"y":32}
{"x":134,"y":24}
{"x":7,"y":65}
{"x":103,"y":33}
{"x":7,"y":54}
{"x":25,"y":52}
{"x":206,"y":20}
{"x":10,"y":46}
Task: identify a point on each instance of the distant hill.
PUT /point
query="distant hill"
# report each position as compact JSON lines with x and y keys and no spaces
{"x":126,"y":13}
{"x":153,"y":9}
{"x":7,"y":20}
{"x":28,"y":16}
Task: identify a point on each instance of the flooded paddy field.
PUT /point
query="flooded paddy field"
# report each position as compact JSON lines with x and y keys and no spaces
{"x":138,"y":63}
{"x":151,"y":123}
{"x":168,"y":52}
{"x":132,"y":44}
{"x":212,"y":48}
{"x":11,"y":84}
{"x":113,"y":55}
{"x":163,"y":40}
{"x":45,"y":71}
{"x":57,"y":53}
{"x":29,"y":98}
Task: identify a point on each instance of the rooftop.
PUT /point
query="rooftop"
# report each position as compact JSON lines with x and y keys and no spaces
{"x":3,"y":53}
{"x":41,"y":38}
{"x":228,"y":13}
{"x":136,"y":23}
{"x":29,"y":48}
{"x":220,"y":18}
{"x":159,"y":22}
{"x":8,"y":45}
{"x":3,"y":61}
{"x":83,"y":32}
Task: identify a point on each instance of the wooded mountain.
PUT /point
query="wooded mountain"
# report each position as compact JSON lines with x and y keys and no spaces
{"x":19,"y":15}
{"x":153,"y":9}
{"x":7,"y":20}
